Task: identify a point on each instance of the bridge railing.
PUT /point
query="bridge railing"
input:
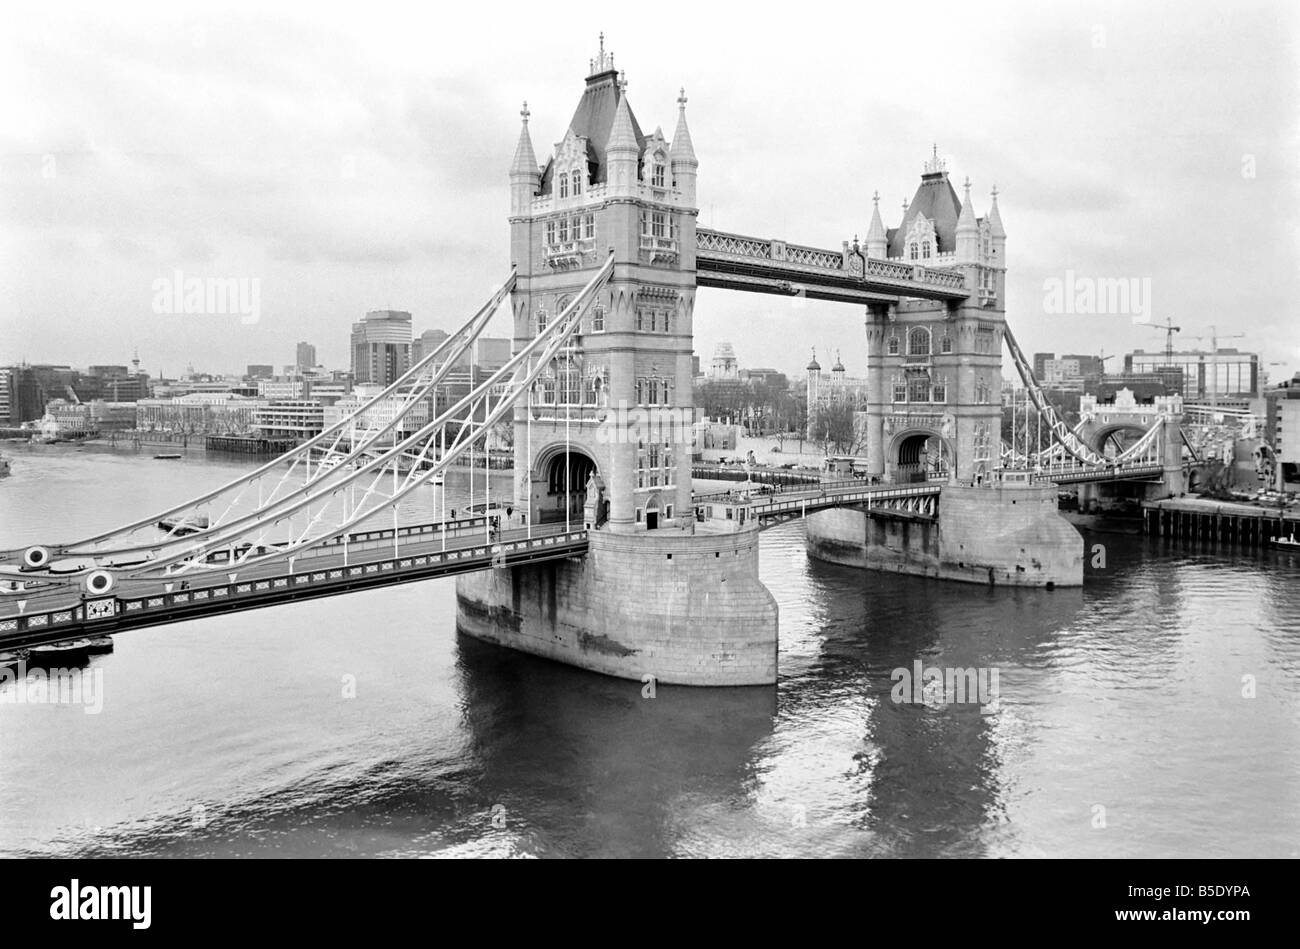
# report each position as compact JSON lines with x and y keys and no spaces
{"x":91,"y":610}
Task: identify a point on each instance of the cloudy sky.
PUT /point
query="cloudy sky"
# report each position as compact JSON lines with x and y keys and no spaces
{"x":355,"y":157}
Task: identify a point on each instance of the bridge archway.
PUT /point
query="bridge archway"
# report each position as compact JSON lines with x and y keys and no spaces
{"x":916,"y":454}
{"x":560,"y":479}
{"x":1112,"y":439}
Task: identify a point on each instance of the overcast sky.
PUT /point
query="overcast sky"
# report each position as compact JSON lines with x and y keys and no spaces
{"x":355,"y":157}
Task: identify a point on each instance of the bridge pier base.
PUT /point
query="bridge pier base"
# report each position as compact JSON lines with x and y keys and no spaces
{"x":995,"y":534}
{"x":686,"y":609}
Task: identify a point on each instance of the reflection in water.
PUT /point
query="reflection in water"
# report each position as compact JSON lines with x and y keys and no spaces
{"x":237,"y":735}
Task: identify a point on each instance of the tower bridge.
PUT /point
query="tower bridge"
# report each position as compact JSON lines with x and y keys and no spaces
{"x":606,"y":557}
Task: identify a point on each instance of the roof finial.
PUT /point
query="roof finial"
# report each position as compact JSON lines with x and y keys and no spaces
{"x":995,"y":193}
{"x":681,"y":98}
{"x":875,"y":198}
{"x":524,"y":112}
{"x":622,"y":81}
{"x":604,"y":61}
{"x":934,"y":164}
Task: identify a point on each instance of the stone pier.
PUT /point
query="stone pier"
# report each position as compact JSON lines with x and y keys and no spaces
{"x":686,"y":609}
{"x":1000,"y":534}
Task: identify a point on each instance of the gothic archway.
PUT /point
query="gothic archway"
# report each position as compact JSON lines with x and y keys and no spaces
{"x":560,"y":478}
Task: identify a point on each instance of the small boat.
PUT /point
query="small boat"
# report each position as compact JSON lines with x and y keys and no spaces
{"x":180,"y":526}
{"x":436,"y":479}
{"x":1286,"y":543}
{"x":98,"y":644}
{"x":169,"y":456}
{"x":73,"y":650}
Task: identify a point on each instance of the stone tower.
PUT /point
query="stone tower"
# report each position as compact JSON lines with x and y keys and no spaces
{"x":619,"y":402}
{"x":935,"y":393}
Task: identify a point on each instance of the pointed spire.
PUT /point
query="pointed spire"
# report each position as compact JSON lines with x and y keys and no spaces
{"x":622,"y":137}
{"x":525,"y":162}
{"x":995,"y":219}
{"x":876,"y":232}
{"x":966,"y":220}
{"x":839,"y":366}
{"x":683,"y":149}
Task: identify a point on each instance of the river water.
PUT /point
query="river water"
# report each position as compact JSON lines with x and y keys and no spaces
{"x":1155,"y":712}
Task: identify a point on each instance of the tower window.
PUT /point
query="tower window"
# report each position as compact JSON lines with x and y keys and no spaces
{"x":900,"y":392}
{"x":945,"y":344}
{"x":939,"y":394}
{"x":918,"y":341}
{"x":598,"y":319}
{"x":550,"y":232}
{"x":541,"y":320}
{"x":912,"y":249}
{"x":564,"y":230}
{"x":657,"y":175}
{"x":925,"y":250}
{"x":564,"y":186}
{"x":659,"y":225}
{"x":892,"y":346}
{"x":577,"y":183}
{"x":918,"y":390}
{"x":589,"y":226}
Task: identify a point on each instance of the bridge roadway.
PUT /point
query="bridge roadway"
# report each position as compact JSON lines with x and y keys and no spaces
{"x":58,"y":611}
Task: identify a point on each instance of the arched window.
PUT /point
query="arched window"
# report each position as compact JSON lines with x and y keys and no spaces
{"x":912,"y":249}
{"x":893,"y":346}
{"x":541,"y":319}
{"x":925,"y":250}
{"x":564,"y":186}
{"x":918,"y":390}
{"x":918,"y":341}
{"x":598,"y":318}
{"x":657,"y":170}
{"x":945,"y":344}
{"x":577,"y":182}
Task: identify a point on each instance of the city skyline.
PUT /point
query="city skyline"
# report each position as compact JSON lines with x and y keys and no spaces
{"x":197,"y":142}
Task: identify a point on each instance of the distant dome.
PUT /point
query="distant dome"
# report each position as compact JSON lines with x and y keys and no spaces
{"x":724,"y":351}
{"x":814,"y":366}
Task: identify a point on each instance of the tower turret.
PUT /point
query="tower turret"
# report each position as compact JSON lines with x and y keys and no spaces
{"x":623,"y":152}
{"x":877,"y":240}
{"x":525,"y":176}
{"x":968,"y":231}
{"x":684,"y":163}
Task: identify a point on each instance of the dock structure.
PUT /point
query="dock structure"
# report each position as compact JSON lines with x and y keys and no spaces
{"x":248,"y":445}
{"x":1226,"y":522}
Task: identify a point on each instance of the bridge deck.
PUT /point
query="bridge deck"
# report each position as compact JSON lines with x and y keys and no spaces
{"x":58,"y":612}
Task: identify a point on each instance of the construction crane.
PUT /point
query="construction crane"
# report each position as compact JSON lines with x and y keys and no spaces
{"x":1169,"y":330}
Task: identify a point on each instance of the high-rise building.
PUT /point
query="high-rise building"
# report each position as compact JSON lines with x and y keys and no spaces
{"x":381,"y":347}
{"x":306,"y":357}
{"x":260,"y":371}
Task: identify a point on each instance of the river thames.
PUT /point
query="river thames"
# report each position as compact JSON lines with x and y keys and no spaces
{"x":1154,"y":713}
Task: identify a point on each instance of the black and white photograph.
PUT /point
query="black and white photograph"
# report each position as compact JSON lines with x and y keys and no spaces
{"x":650,"y":431}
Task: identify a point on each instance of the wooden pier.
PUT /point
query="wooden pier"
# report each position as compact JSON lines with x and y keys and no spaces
{"x":1225,"y":522}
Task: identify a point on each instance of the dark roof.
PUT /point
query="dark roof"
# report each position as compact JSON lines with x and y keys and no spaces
{"x":594,"y":118}
{"x":939,"y":203}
